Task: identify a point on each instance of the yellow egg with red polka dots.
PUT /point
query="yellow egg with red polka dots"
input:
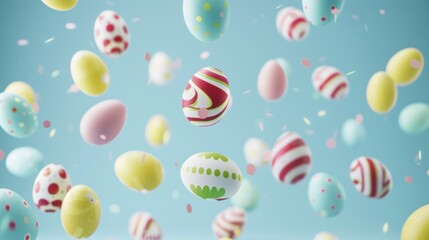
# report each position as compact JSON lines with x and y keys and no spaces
{"x":60,"y":5}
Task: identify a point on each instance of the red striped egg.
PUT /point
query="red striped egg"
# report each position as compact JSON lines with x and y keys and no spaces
{"x":142,"y":226}
{"x":371,"y":177}
{"x":111,"y":33}
{"x":206,"y":97}
{"x":330,"y":82}
{"x":229,"y":223}
{"x":292,"y":24}
{"x":290,"y":158}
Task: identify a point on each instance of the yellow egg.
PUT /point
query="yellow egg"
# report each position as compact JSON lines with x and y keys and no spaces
{"x":89,"y":73}
{"x":157,"y":131}
{"x":405,"y":66}
{"x":139,"y":171}
{"x":23,"y":90}
{"x":225,"y":239}
{"x":417,"y":225}
{"x":60,"y":5}
{"x":80,"y":212}
{"x":381,"y":93}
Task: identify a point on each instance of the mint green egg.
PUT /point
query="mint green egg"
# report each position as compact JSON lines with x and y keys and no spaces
{"x":414,"y":118}
{"x":353,"y":132}
{"x":247,"y":196}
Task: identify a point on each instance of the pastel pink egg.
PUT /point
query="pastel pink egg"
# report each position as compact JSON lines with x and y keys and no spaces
{"x":272,"y":81}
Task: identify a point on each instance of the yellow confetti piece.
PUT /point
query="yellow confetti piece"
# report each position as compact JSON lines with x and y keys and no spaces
{"x":321,"y":113}
{"x":52,"y":133}
{"x":385,"y":227}
{"x":307,"y":121}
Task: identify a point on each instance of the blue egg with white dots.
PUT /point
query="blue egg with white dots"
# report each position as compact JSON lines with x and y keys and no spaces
{"x":206,"y":19}
{"x":321,"y":13}
{"x":17,"y":117}
{"x":326,"y":195}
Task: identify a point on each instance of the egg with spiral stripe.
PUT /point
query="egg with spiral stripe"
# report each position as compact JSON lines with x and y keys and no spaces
{"x":330,"y":82}
{"x":229,"y":223}
{"x":142,"y":226}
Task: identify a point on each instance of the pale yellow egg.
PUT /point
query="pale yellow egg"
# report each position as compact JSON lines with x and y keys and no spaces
{"x":417,"y":225}
{"x":60,"y":5}
{"x":381,"y":93}
{"x":405,"y":66}
{"x":23,"y":90}
{"x":157,"y":131}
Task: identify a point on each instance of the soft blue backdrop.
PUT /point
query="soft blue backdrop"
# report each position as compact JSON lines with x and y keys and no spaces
{"x":250,"y":40}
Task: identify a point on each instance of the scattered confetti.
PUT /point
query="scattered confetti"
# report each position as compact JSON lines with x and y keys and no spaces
{"x":35,"y":106}
{"x":49,"y":40}
{"x":189,"y":208}
{"x":268,"y":114}
{"x":284,"y":127}
{"x":136,"y":19}
{"x":110,"y":3}
{"x":415,"y":64}
{"x":55,"y":74}
{"x":203,"y":113}
{"x":147,"y":56}
{"x":40,"y":69}
{"x":261,"y":126}
{"x":1,"y":154}
{"x":306,"y":63}
{"x":382,"y":11}
{"x":22,"y":42}
{"x":52,"y":133}
{"x":359,"y":118}
{"x":331,"y":143}
{"x":70,"y":26}
{"x":246,"y":92}
{"x":73,"y":89}
{"x":355,"y":17}
{"x":408,"y":179}
{"x":385,"y":227}
{"x":251,"y":169}
{"x":205,"y":55}
{"x":175,"y":195}
{"x":321,"y":113}
{"x":419,"y":155}
{"x":366,"y":27}
{"x":279,"y":6}
{"x":427,"y":172}
{"x":309,"y":132}
{"x":114,"y":209}
{"x":46,"y":124}
{"x":350,"y":73}
{"x":307,"y":121}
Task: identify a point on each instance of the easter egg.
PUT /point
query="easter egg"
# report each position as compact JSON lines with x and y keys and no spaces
{"x":321,"y":13}
{"x":330,"y":82}
{"x":80,"y":212}
{"x":287,"y":68}
{"x":292,"y":24}
{"x":50,"y":188}
{"x":17,"y":219}
{"x":326,"y":195}
{"x":381,"y":93}
{"x":142,"y":226}
{"x":161,"y":69}
{"x":206,"y":20}
{"x":60,"y":5}
{"x":325,"y":236}
{"x":272,"y":82}
{"x":103,"y":122}
{"x":414,"y":118}
{"x":229,"y":223}
{"x":416,"y":227}
{"x":17,"y":117}
{"x":370,"y":177}
{"x":353,"y":132}
{"x":111,"y":33}
{"x":247,"y":196}
{"x":157,"y":131}
{"x":89,"y":73}
{"x":210,"y":175}
{"x":24,"y":161}
{"x":256,"y":152}
{"x":23,"y":90}
{"x":206,"y":97}
{"x":290,"y":158}
{"x":405,"y":66}
{"x":139,"y":171}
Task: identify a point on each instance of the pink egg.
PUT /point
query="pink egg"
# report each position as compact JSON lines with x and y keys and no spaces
{"x":272,"y":81}
{"x":111,"y":33}
{"x":103,"y":122}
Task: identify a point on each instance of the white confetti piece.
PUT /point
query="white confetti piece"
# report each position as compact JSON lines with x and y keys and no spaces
{"x":70,"y":26}
{"x":350,"y":73}
{"x":55,"y":74}
{"x":90,"y":42}
{"x":110,"y":3}
{"x":175,"y":195}
{"x":284,"y":127}
{"x":279,"y":6}
{"x":52,"y":133}
{"x":261,"y":126}
{"x":321,"y":113}
{"x":307,"y":121}
{"x":136,"y":19}
{"x":385,"y":227}
{"x":268,"y":114}
{"x":114,"y":209}
{"x":49,"y":40}
{"x":419,"y":155}
{"x":23,"y":42}
{"x":246,"y":92}
{"x":40,"y":69}
{"x":205,"y":55}
{"x":366,"y":27}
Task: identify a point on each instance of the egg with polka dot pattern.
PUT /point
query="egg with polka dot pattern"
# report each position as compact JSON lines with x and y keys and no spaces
{"x":321,"y":13}
{"x":206,"y":20}
{"x":17,"y":218}
{"x":326,"y":195}
{"x":111,"y":33}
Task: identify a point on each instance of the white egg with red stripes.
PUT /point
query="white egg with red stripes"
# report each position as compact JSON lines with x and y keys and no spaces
{"x":142,"y":226}
{"x":330,"y":82}
{"x":292,"y":24}
{"x":229,"y":223}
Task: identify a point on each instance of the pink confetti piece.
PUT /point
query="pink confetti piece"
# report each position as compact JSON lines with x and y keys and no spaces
{"x":203,"y":113}
{"x":205,"y":55}
{"x":73,"y":89}
{"x":408,"y":179}
{"x":147,"y":56}
{"x":382,"y":11}
{"x":189,"y":208}
{"x":103,"y":137}
{"x":251,"y":169}
{"x":415,"y":64}
{"x":46,"y":124}
{"x":70,"y":26}
{"x":359,"y":118}
{"x":222,"y":14}
{"x":177,"y":63}
{"x":427,"y":172}
{"x":23,"y":42}
{"x":35,"y":107}
{"x":335,"y":11}
{"x":261,"y":126}
{"x":306,"y":63}
{"x":1,"y":154}
{"x":331,"y":143}
{"x":40,"y":69}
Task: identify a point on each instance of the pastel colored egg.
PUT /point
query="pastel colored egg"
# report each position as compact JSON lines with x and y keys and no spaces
{"x":381,"y":93}
{"x":414,"y":118}
{"x":24,"y":161}
{"x":272,"y":82}
{"x":416,"y":226}
{"x":157,"y":131}
{"x":206,"y":20}
{"x":103,"y":122}
{"x":60,"y":5}
{"x":229,"y":223}
{"x":51,"y":187}
{"x":290,"y":158}
{"x":23,"y":90}
{"x":371,"y":177}
{"x":142,"y":226}
{"x":161,"y":70}
{"x":17,"y":219}
{"x":17,"y":117}
{"x":330,"y":82}
{"x":89,"y":73}
{"x":80,"y":212}
{"x":292,"y":24}
{"x":256,"y":152}
{"x":111,"y":33}
{"x":139,"y":171}
{"x":325,"y":236}
{"x":405,"y":66}
{"x":321,"y":13}
{"x":210,"y":175}
{"x":206,"y":97}
{"x":353,"y":132}
{"x":326,"y":195}
{"x":287,"y":68}
{"x":247,"y":196}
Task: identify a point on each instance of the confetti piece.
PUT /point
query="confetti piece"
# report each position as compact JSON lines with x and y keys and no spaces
{"x":279,"y":6}
{"x":408,"y":179}
{"x":382,"y":11}
{"x":189,"y":208}
{"x":355,"y":17}
{"x":35,"y":107}
{"x":55,"y":74}
{"x":321,"y":59}
{"x":350,"y":73}
{"x":175,"y":195}
{"x":203,"y":113}
{"x":307,"y":121}
{"x":46,"y":124}
{"x":114,"y":209}
{"x":261,"y":126}
{"x":268,"y":114}
{"x":136,"y":19}
{"x":90,"y":43}
{"x":251,"y":169}
{"x":40,"y":69}
{"x":49,"y":40}
{"x":415,"y":64}
{"x":103,"y":137}
{"x":52,"y":133}
{"x":147,"y":56}
{"x":73,"y":89}
{"x":22,"y":42}
{"x":246,"y":92}
{"x":205,"y":55}
{"x":385,"y":227}
{"x":366,"y":27}
{"x":306,"y":63}
{"x":359,"y":118}
{"x":331,"y":143}
{"x":321,"y":113}
{"x":177,"y":63}
{"x":110,"y":3}
{"x":427,"y":172}
{"x":176,"y":164}
{"x":309,"y":132}
{"x":335,"y":11}
{"x":70,"y":26}
{"x":284,"y":127}
{"x":419,"y":155}
{"x":1,"y":154}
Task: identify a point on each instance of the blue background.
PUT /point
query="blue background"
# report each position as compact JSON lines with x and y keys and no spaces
{"x":250,"y":40}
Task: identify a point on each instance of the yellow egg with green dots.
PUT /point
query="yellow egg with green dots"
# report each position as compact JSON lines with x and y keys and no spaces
{"x":405,"y":66}
{"x":417,"y":225}
{"x":157,"y":131}
{"x":23,"y":90}
{"x":381,"y":93}
{"x":60,"y":5}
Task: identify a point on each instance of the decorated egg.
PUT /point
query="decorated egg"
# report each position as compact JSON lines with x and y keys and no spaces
{"x":416,"y":226}
{"x":142,"y":226}
{"x":103,"y":122}
{"x":210,"y":175}
{"x":60,"y":5}
{"x":157,"y":131}
{"x":247,"y":196}
{"x":17,"y":219}
{"x":330,"y":82}
{"x":405,"y":66}
{"x":206,"y":97}
{"x":321,"y":13}
{"x":370,"y":177}
{"x":50,"y":188}
{"x":292,"y":24}
{"x":206,"y":20}
{"x":229,"y":223}
{"x":381,"y":93}
{"x":256,"y":152}
{"x":139,"y":171}
{"x":23,"y":90}
{"x":161,"y":69}
{"x":89,"y":73}
{"x":272,"y":82}
{"x":414,"y":118}
{"x":353,"y":132}
{"x":17,"y":117}
{"x":326,"y":195}
{"x":24,"y":161}
{"x":290,"y":158}
{"x":325,"y":236}
{"x":80,"y":212}
{"x":111,"y":33}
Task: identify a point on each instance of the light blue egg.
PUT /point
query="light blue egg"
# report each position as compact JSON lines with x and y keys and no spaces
{"x":287,"y":68}
{"x":414,"y":118}
{"x":17,"y":220}
{"x":322,"y":12}
{"x":326,"y":195}
{"x":247,"y":196}
{"x":353,"y":132}
{"x":206,"y":19}
{"x":24,"y":161}
{"x":17,"y":117}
